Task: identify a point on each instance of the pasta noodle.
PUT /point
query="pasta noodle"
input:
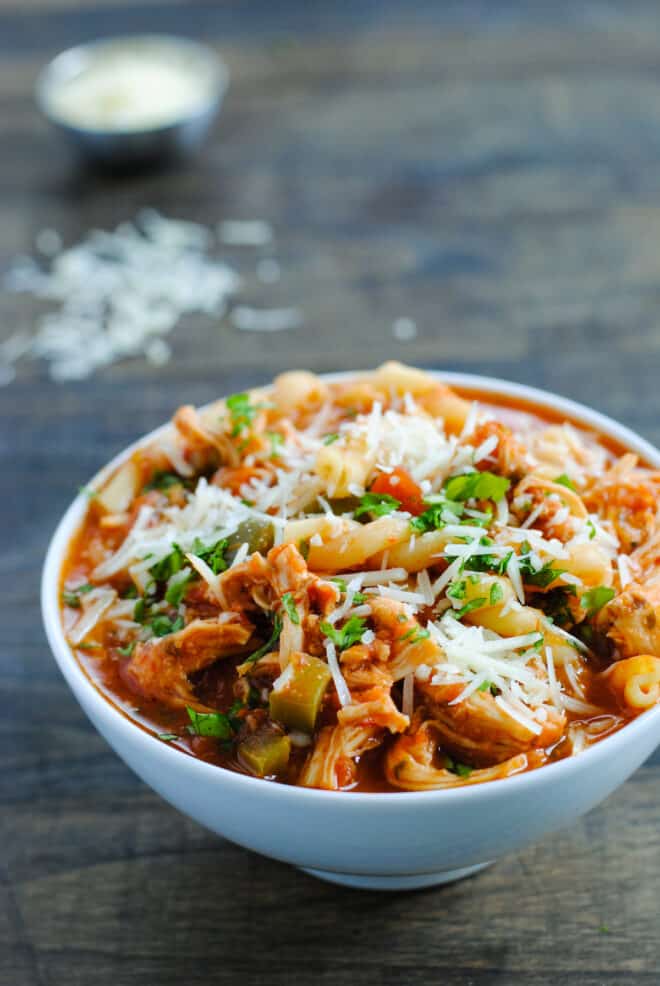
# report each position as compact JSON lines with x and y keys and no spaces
{"x":374,"y":583}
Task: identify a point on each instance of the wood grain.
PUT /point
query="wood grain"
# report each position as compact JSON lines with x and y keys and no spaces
{"x":491,"y":171}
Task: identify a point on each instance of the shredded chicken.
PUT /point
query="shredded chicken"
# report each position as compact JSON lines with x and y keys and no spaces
{"x":627,"y":497}
{"x":410,"y":763}
{"x":510,"y":457}
{"x":410,"y":645}
{"x":160,"y":668}
{"x":206,"y":448}
{"x":482,"y":732}
{"x":632,"y":620}
{"x":331,"y":763}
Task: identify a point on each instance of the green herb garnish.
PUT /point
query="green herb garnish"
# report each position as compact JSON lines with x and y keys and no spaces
{"x":473,"y":604}
{"x":214,"y":724}
{"x":177,"y":588}
{"x":212,"y":554}
{"x":242,"y":413}
{"x":169,"y":565}
{"x":330,"y":439}
{"x":596,"y":598}
{"x":167,"y":737}
{"x":488,"y":686}
{"x":71,"y":597}
{"x":349,"y":634}
{"x":276,"y":443}
{"x":541,"y":577}
{"x":140,"y":610}
{"x":163,"y":480}
{"x":496,"y":593}
{"x":477,"y":486}
{"x":415,"y":634}
{"x":460,"y":769}
{"x":161,"y":625}
{"x":554,"y":604}
{"x":439,"y":513}
{"x":566,"y":481}
{"x":377,"y":504}
{"x":128,"y":649}
{"x":270,"y":643}
{"x":456,"y":590}
{"x":290,"y":607}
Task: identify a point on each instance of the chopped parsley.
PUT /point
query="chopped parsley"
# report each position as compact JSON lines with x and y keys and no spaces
{"x":596,"y":598}
{"x":377,"y":504}
{"x":486,"y":563}
{"x":473,"y":604}
{"x":128,"y":649}
{"x":591,"y":528}
{"x":177,"y":588}
{"x":496,"y":593}
{"x":290,"y":608}
{"x":242,"y":413}
{"x":554,"y":604}
{"x":533,"y":575}
{"x":163,"y":480}
{"x":140,"y":610}
{"x":488,"y":686}
{"x":276,"y":443}
{"x":566,"y":481}
{"x":71,"y":597}
{"x":415,"y":634}
{"x":218,"y":725}
{"x":212,"y":554}
{"x":270,"y":643}
{"x":169,"y":565}
{"x":161,"y":625}
{"x":460,"y":769}
{"x":440,"y":511}
{"x":331,"y":438}
{"x":88,"y":492}
{"x":476,"y":486}
{"x":350,"y":633}
{"x":167,"y":737}
{"x":456,"y":590}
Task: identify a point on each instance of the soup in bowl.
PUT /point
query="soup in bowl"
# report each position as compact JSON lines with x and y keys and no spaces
{"x":386,"y":626}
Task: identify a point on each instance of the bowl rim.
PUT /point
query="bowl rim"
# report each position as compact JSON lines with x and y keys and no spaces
{"x":55,"y":70}
{"x":137,"y":736}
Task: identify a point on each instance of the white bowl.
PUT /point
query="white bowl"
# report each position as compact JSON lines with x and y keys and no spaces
{"x":377,"y":841}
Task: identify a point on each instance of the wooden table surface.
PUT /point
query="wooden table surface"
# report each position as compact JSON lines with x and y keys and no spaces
{"x":490,"y":170}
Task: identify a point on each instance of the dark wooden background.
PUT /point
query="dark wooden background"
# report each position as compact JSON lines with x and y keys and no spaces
{"x":489,"y":168}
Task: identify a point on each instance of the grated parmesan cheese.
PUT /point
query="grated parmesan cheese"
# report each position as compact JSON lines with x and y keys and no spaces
{"x":118,"y":293}
{"x":341,"y":687}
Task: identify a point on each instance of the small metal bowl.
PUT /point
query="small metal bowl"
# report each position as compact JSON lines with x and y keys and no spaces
{"x":113,"y":147}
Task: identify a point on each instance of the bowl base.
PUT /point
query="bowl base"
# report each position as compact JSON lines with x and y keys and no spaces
{"x":415,"y":881}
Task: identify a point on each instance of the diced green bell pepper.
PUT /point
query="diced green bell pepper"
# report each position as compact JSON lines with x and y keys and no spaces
{"x":297,"y":703}
{"x":265,"y":752}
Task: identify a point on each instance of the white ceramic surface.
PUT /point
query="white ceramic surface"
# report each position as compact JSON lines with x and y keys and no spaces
{"x":375,"y":841}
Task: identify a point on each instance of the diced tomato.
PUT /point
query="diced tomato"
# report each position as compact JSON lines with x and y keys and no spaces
{"x":402,"y":487}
